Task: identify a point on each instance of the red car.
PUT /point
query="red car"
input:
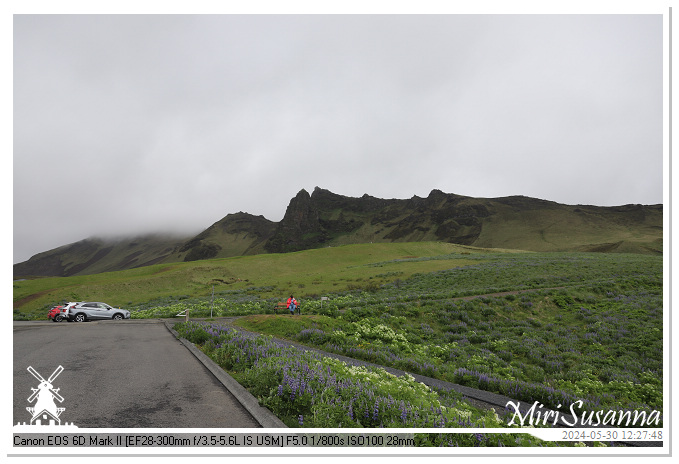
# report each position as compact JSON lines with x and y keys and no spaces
{"x":57,"y":313}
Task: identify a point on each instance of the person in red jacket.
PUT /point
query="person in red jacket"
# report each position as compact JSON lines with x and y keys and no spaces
{"x":292,"y":304}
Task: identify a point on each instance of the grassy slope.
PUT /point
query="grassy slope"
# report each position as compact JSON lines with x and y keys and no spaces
{"x":594,"y":330}
{"x":101,"y":255}
{"x":309,"y":272}
{"x":561,"y":228}
{"x":547,"y":229}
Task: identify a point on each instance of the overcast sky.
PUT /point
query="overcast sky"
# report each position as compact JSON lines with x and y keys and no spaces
{"x":127,"y":124}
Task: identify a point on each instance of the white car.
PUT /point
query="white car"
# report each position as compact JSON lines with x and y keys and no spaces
{"x":94,"y":311}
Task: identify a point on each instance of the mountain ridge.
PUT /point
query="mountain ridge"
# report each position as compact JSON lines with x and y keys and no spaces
{"x":324,"y":218}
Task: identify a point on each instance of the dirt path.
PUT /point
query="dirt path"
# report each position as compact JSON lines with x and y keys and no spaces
{"x":29,"y":298}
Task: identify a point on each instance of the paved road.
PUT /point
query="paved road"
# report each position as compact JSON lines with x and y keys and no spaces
{"x":127,"y":374}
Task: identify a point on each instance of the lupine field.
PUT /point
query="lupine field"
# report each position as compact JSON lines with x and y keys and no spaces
{"x":308,"y":390}
{"x":554,"y":328}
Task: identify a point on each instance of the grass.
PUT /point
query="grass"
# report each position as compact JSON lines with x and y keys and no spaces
{"x":553,"y":327}
{"x":568,"y":327}
{"x":288,"y":327}
{"x":305,"y":273}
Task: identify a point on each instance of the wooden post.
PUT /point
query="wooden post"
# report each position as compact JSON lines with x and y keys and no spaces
{"x":212,"y":300}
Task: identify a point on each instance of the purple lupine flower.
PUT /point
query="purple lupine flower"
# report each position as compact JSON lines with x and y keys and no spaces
{"x":404,"y":413}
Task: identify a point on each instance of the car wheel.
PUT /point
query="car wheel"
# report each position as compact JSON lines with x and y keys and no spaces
{"x":58,"y":318}
{"x":80,"y":317}
{"x":117,"y":317}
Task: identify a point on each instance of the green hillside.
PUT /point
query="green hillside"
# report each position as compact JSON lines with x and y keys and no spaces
{"x":561,"y":329}
{"x":625,"y":229}
{"x":310,"y":272}
{"x":95,"y":255}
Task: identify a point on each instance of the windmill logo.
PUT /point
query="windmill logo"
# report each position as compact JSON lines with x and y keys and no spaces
{"x":45,"y":410}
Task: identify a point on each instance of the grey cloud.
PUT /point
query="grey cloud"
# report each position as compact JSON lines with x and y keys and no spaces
{"x":127,"y":123}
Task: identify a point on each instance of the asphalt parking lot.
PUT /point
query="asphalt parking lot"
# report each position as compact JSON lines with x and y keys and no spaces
{"x":127,"y":374}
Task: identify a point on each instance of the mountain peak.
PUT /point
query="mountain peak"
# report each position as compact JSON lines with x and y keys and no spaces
{"x":303,"y":193}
